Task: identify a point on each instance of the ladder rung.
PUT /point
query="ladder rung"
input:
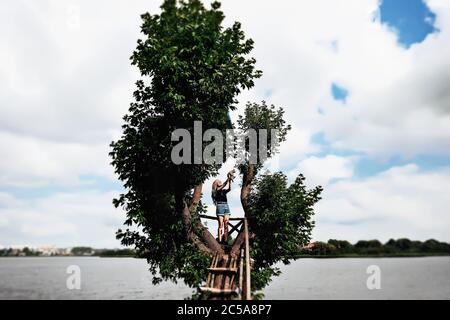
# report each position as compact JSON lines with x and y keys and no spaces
{"x":223,"y":269}
{"x":217,"y":291}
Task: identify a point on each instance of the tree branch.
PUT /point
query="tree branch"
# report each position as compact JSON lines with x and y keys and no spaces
{"x":246,"y":189}
{"x":206,"y":243}
{"x":196,"y":197}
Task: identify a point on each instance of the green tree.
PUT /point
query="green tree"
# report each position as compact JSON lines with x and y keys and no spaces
{"x":322,"y":249}
{"x":369,"y":247}
{"x":416,"y":246}
{"x":193,"y":69}
{"x":403,"y":244}
{"x":342,"y":246}
{"x":280,"y":216}
{"x":435,"y":246}
{"x":81,"y":251}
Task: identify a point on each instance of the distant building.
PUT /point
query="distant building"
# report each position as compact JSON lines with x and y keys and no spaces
{"x":309,"y":247}
{"x":47,"y":250}
{"x":16,"y":253}
{"x":64,"y":251}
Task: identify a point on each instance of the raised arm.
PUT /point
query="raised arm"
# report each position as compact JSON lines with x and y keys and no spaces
{"x":223,"y":185}
{"x":229,"y":183}
{"x":230,"y":179}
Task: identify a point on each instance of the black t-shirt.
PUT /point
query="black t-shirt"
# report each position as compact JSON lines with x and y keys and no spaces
{"x":221,"y":195}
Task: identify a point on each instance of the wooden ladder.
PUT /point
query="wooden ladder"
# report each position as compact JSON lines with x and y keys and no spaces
{"x":221,"y":277}
{"x":227,"y":278}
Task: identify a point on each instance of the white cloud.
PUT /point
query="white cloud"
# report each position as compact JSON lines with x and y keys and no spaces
{"x":64,"y":90}
{"x":78,"y":83}
{"x":57,"y":82}
{"x":63,"y":219}
{"x":3,"y":222}
{"x":398,"y":102}
{"x":28,"y":161}
{"x":400,"y":202}
{"x":321,"y":171}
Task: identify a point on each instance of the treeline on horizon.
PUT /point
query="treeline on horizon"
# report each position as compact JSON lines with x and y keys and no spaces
{"x":339,"y":248}
{"x":399,"y":247}
{"x":75,"y":251}
{"x":88,"y":251}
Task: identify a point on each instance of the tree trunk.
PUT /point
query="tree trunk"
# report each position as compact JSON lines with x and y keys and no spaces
{"x":206,"y":243}
{"x":246,"y":188}
{"x":209,"y":243}
{"x":196,"y":197}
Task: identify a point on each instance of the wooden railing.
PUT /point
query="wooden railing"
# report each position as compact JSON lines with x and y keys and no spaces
{"x":244,"y":284}
{"x":234,"y":227}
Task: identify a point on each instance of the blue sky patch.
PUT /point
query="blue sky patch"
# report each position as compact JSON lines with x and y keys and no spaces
{"x":412,"y":19}
{"x":268,"y":93}
{"x":339,"y":93}
{"x":326,"y":148}
{"x":366,"y":166}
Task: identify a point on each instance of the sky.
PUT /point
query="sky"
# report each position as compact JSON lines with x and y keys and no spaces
{"x":365,"y":85}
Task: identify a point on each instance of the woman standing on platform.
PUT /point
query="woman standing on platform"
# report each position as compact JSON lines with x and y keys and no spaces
{"x":219,"y":196}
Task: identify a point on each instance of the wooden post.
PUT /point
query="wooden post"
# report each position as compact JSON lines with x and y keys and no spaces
{"x":241,"y":274}
{"x":247,"y":263}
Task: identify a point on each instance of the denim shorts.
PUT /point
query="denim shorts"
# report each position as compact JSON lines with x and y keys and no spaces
{"x":222,"y":209}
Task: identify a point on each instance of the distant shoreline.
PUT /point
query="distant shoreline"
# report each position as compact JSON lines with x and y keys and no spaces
{"x":400,"y":248}
{"x":56,"y":256}
{"x":65,"y":252}
{"x":344,"y":256}
{"x":409,"y":255}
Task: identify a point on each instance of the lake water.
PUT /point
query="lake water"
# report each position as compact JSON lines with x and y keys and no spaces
{"x":127,"y":278}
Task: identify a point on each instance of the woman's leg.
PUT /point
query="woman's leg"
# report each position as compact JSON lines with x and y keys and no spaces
{"x":220,"y":230}
{"x":225,"y":225}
